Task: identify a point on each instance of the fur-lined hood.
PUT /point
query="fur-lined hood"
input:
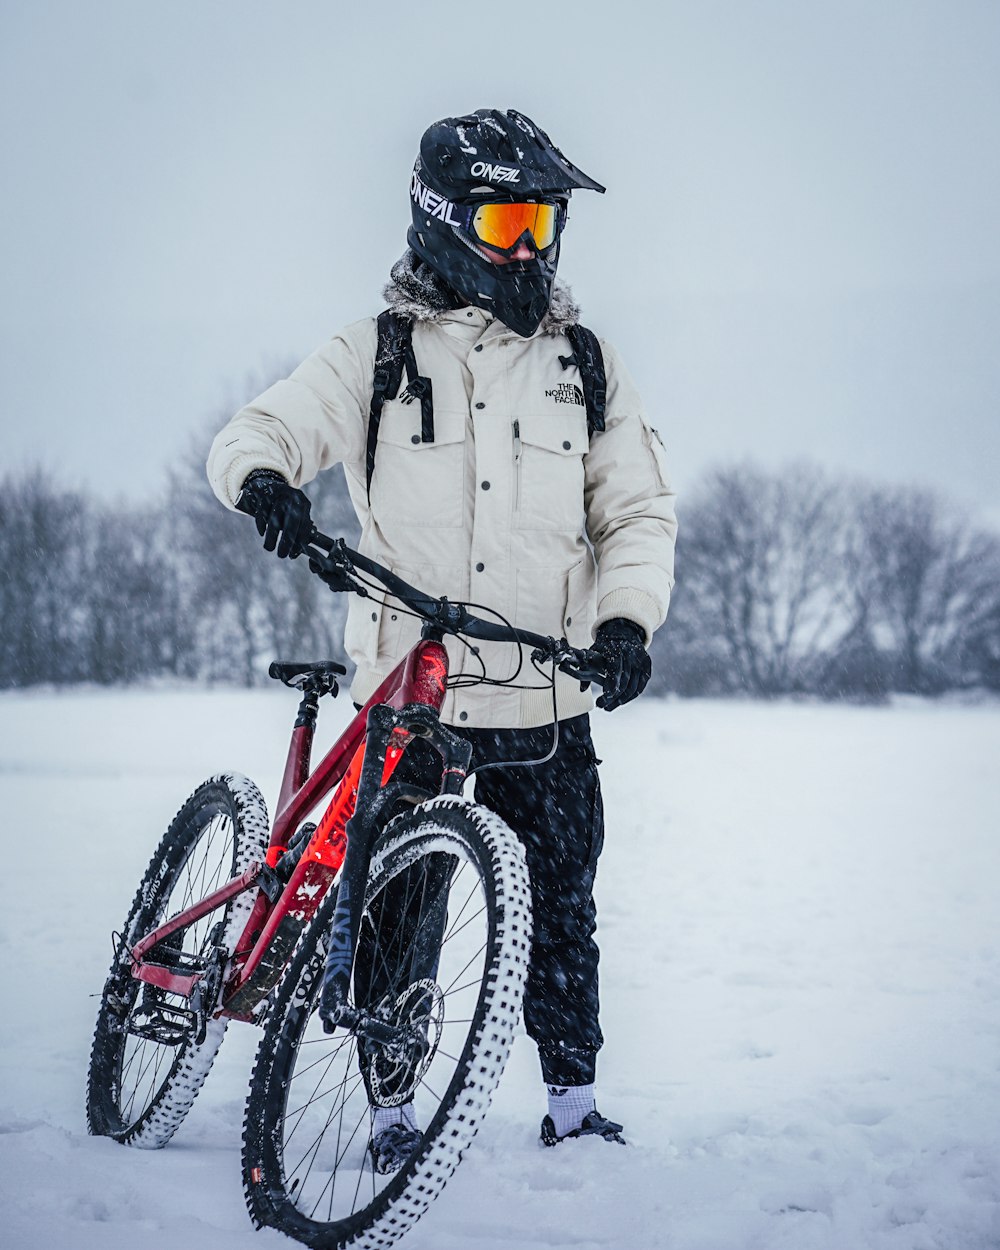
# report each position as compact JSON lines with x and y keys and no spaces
{"x":416,"y":291}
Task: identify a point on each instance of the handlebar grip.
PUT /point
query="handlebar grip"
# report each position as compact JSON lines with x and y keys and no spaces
{"x":320,"y":540}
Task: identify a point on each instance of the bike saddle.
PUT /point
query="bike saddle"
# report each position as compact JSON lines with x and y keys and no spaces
{"x":319,"y":676}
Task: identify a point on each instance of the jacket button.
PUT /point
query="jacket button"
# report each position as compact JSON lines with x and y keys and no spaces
{"x":374,"y":616}
{"x":569,"y":620}
{"x":415,"y":438}
{"x":486,"y":485}
{"x":463,"y":716}
{"x":479,"y":347}
{"x":480,"y":568}
{"x":480,"y":405}
{"x":566,"y":446}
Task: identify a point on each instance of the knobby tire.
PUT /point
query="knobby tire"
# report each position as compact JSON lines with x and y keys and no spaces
{"x":305,"y":1160}
{"x":139,"y":1089}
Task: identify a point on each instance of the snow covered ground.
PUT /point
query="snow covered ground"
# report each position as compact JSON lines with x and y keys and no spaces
{"x":801,"y":984}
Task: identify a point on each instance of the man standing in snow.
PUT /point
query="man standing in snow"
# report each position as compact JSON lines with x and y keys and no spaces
{"x":525,"y":478}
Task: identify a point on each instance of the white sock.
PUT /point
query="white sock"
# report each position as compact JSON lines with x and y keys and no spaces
{"x":385,"y":1117}
{"x":568,"y":1104}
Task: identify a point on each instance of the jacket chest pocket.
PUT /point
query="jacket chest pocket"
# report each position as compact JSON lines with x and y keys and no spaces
{"x":548,"y":471}
{"x":417,"y":483}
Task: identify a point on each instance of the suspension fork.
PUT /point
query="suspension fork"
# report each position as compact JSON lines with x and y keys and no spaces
{"x":375,"y":801}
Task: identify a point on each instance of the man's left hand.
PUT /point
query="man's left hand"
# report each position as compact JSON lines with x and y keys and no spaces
{"x":621,"y":644}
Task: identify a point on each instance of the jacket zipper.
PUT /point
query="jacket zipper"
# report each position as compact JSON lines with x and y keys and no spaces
{"x":517,"y":465}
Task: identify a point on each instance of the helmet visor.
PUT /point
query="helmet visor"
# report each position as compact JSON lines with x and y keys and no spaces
{"x":501,"y":225}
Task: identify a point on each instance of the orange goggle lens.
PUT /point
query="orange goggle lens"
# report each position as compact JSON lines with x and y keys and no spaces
{"x":501,"y":225}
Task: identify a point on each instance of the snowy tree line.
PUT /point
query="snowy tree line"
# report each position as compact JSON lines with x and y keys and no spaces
{"x":179,"y":588}
{"x":790,"y":581}
{"x":800,"y":582}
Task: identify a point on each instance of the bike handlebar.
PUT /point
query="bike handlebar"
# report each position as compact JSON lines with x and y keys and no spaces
{"x":332,"y":559}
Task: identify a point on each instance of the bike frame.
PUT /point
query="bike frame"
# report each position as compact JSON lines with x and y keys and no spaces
{"x":406,"y":703}
{"x":358,"y":771}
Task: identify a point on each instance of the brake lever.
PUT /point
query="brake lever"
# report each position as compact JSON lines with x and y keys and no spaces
{"x":331,"y":566}
{"x":586,"y":666}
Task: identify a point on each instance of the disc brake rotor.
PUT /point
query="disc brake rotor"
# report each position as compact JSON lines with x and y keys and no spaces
{"x":397,"y":1068}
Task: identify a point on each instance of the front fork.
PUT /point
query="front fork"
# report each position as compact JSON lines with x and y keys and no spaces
{"x":374,"y":803}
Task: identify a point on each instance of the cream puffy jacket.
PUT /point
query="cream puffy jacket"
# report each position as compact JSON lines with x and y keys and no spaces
{"x":511,"y":507}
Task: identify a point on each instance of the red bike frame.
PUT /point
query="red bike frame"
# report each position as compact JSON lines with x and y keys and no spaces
{"x":281,"y":911}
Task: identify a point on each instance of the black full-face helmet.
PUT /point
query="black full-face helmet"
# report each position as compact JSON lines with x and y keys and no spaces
{"x":485,"y":188}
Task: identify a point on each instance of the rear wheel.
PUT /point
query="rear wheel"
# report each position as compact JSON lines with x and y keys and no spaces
{"x":442,"y":957}
{"x":151,"y":1053}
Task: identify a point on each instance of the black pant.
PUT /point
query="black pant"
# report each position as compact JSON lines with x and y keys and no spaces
{"x":556,"y":811}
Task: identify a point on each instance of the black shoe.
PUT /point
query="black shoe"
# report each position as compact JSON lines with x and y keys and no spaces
{"x":391,"y":1148}
{"x":594,"y":1125}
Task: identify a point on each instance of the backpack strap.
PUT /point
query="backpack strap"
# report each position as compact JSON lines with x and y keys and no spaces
{"x":589,"y":359}
{"x":393,"y":354}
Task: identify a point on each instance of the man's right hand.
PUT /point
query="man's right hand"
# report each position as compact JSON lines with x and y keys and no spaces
{"x":281,"y":511}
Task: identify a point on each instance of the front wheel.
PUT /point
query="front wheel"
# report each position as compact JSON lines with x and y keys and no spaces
{"x":442,"y":956}
{"x":150,"y":1057}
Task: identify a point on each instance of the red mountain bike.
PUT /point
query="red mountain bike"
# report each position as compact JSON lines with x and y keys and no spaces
{"x":383,"y":950}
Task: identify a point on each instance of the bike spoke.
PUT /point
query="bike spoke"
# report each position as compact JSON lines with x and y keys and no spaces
{"x":450,"y":989}
{"x":312,"y":1149}
{"x":357,"y":1189}
{"x":194,"y":876}
{"x":433,"y":1094}
{"x":339,"y":1153}
{"x":364,"y":1118}
{"x":311,"y":1100}
{"x":299,"y":1072}
{"x":153,"y":1061}
{"x":469,"y":921}
{"x":389,"y":968}
{"x":454,"y":921}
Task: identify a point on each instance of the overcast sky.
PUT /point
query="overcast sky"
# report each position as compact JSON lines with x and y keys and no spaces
{"x":798,"y":255}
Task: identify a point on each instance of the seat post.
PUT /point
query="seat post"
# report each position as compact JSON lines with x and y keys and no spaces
{"x":308,"y":709}
{"x":313,"y":680}
{"x":300,"y":748}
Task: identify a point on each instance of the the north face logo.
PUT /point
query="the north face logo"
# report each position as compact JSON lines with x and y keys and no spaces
{"x":566,"y":393}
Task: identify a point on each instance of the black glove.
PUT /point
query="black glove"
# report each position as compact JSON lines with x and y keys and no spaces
{"x":620,"y":643}
{"x":281,"y":511}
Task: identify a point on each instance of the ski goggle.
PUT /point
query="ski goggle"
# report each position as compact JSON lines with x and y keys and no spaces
{"x":501,"y":224}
